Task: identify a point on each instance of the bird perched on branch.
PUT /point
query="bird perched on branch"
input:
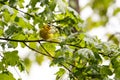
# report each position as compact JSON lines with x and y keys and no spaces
{"x":46,"y":32}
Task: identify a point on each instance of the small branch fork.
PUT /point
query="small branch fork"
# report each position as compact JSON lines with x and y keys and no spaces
{"x":49,"y":55}
{"x":46,"y":52}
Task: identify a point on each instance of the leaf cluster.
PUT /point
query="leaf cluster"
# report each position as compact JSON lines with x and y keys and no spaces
{"x":79,"y":55}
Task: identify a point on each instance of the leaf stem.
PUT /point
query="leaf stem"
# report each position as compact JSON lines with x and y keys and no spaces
{"x":45,"y":50}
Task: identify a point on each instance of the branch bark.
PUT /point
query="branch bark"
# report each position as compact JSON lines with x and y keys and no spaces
{"x":48,"y":55}
{"x":7,"y":39}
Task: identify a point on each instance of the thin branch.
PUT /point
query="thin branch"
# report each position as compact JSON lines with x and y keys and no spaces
{"x":7,"y":39}
{"x":50,"y":57}
{"x":23,"y":12}
{"x":45,"y":50}
{"x":60,"y":63}
{"x":75,"y":78}
{"x":36,"y":50}
{"x":65,"y":44}
{"x":48,"y":54}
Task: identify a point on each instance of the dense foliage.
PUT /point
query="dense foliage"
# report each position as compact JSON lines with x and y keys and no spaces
{"x":80,"y":56}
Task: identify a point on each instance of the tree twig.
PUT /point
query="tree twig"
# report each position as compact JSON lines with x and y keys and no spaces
{"x":45,"y":50}
{"x":36,"y":50}
{"x":48,"y":54}
{"x":60,"y":63}
{"x":45,"y":54}
{"x":75,"y":78}
{"x":7,"y":39}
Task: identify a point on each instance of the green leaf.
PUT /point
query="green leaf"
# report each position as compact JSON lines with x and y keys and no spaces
{"x":50,"y":47}
{"x":115,"y":61}
{"x":21,"y":66}
{"x":104,"y":70}
{"x":116,"y":11}
{"x":60,"y":73}
{"x":27,"y":63}
{"x":58,"y":53}
{"x":21,"y":37}
{"x":6,"y":16}
{"x":58,"y":60}
{"x":62,"y":8}
{"x":12,"y":3}
{"x":20,"y":3}
{"x":113,"y":38}
{"x":24,"y":24}
{"x":12,"y":44}
{"x":6,"y":76}
{"x":11,"y":58}
{"x":44,"y":2}
{"x":52,"y":5}
{"x":81,"y":36}
{"x":1,"y":66}
{"x":16,"y":19}
{"x":82,"y":43}
{"x":1,"y":32}
{"x":33,"y":44}
{"x":117,"y":73}
{"x":39,"y":59}
{"x":86,"y":53}
{"x":11,"y":29}
{"x":33,"y":2}
{"x":2,"y":24}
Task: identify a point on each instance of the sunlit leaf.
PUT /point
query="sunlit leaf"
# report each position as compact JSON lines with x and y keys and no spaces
{"x":1,"y":32}
{"x":21,"y":66}
{"x":20,"y":3}
{"x":117,"y":72}
{"x":6,"y":16}
{"x":22,"y":23}
{"x":33,"y":44}
{"x":50,"y":48}
{"x":116,"y":11}
{"x":33,"y":2}
{"x":39,"y":59}
{"x":27,"y":63}
{"x":6,"y":76}
{"x":1,"y":66}
{"x":60,"y":73}
{"x":11,"y":58}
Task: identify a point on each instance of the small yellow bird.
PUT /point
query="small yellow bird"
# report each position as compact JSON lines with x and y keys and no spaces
{"x":46,"y":32}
